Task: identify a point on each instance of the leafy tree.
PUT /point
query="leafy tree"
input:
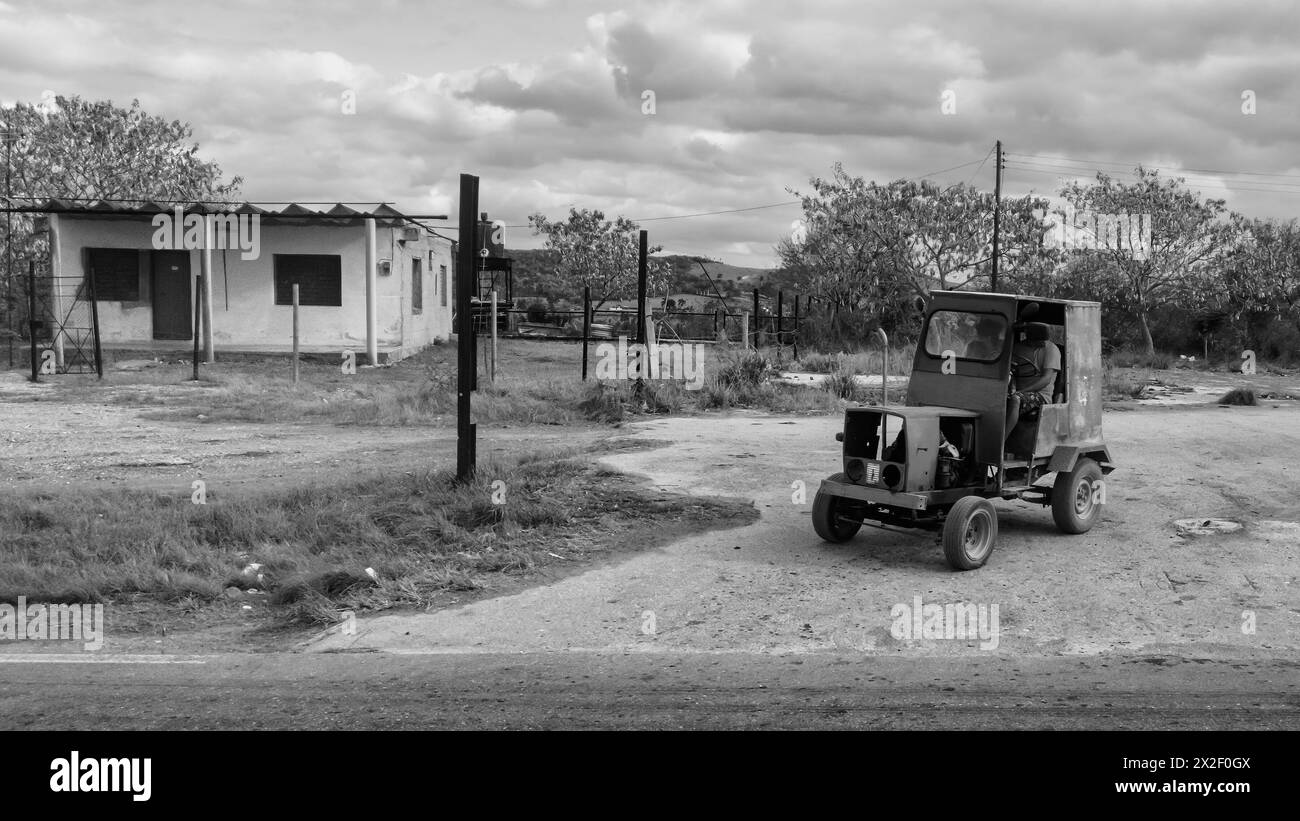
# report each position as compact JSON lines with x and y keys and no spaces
{"x":875,"y":248}
{"x":1189,"y":240}
{"x":70,"y":148}
{"x":594,"y":252}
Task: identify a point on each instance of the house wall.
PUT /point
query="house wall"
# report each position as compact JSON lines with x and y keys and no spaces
{"x":244,"y":309}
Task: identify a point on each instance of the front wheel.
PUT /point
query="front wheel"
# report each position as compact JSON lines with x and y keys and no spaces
{"x":826,"y":515}
{"x":969,"y":532}
{"x":1076,"y":497}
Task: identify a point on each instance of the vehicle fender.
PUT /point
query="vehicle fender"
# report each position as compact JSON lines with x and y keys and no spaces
{"x":1065,"y":456}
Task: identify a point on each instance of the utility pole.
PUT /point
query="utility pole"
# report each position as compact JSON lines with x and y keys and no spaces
{"x":642,"y":277}
{"x":467,"y":272}
{"x":997,"y":212}
{"x":9,"y":137}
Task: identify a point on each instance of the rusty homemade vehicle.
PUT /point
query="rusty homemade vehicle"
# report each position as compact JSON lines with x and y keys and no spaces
{"x":937,"y":461}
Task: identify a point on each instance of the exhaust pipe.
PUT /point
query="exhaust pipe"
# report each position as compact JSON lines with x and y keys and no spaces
{"x":884,"y":368}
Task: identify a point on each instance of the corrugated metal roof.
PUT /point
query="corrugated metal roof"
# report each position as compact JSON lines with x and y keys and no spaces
{"x":338,"y":214}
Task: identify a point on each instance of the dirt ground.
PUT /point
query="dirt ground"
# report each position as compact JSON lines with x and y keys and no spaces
{"x":1136,"y":583}
{"x":49,"y":443}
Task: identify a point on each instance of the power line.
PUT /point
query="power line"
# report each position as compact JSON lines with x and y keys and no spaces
{"x":1074,"y":169}
{"x":1131,"y":166}
{"x":1232,"y":185}
{"x":981,"y":168}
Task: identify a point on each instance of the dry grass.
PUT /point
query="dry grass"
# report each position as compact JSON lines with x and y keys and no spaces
{"x":307,"y":549}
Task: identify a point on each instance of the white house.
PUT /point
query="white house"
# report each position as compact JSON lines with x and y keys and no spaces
{"x":371,"y":281}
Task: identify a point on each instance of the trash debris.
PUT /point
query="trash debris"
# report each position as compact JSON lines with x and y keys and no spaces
{"x":1206,"y":527}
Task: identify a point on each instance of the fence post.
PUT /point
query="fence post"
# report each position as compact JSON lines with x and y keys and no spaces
{"x":586,"y":327}
{"x":794,"y":335}
{"x":492,"y":369}
{"x":32,"y":321}
{"x":744,"y":331}
{"x":756,"y":316}
{"x":780,"y":309}
{"x":295,"y":333}
{"x":198,"y":310}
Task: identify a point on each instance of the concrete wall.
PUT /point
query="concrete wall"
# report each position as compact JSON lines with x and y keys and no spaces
{"x":244,"y":309}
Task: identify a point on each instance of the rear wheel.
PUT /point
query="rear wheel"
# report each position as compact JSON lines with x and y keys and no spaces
{"x":1076,"y":504}
{"x":826,"y":515}
{"x":969,"y":532}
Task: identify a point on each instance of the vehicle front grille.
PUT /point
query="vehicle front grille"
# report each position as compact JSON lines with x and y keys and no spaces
{"x":872,"y":476}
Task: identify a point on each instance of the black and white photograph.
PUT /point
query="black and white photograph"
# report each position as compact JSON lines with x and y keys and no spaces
{"x":651,"y":365}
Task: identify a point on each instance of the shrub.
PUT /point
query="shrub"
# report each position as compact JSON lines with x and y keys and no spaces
{"x":536,"y":312}
{"x":1239,"y":396}
{"x":841,"y":380}
{"x":745,"y":371}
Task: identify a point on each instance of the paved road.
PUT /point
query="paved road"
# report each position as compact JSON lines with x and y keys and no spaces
{"x":646,"y":691}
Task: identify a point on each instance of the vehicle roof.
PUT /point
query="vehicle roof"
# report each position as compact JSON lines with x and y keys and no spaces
{"x":976,"y":295}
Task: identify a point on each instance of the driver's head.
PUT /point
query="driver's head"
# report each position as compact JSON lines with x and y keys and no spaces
{"x":989,"y":325}
{"x":1036,"y":332}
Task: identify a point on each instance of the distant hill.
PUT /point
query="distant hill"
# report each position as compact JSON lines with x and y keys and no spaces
{"x":533,"y":278}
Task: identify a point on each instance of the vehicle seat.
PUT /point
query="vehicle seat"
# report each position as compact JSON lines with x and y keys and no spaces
{"x":1058,"y":390}
{"x":960,"y":432}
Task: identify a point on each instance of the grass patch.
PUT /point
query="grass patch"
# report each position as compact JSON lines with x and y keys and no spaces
{"x":368,"y":544}
{"x":1124,"y":383}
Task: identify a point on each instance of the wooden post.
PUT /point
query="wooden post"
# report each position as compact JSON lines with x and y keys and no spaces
{"x":198,"y":315}
{"x":744,"y":331}
{"x":467,"y":369}
{"x":94,"y":324}
{"x":295,"y":333}
{"x":32,"y":321}
{"x":205,"y":265}
{"x":641,"y":277}
{"x":794,"y":335}
{"x":492,"y":367}
{"x":780,"y":307}
{"x":586,"y":327}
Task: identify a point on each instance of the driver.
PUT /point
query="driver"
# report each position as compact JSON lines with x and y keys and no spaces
{"x":1034,"y":365}
{"x":987,"y":344}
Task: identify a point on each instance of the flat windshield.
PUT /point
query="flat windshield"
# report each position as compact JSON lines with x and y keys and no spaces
{"x":880,"y":437}
{"x":965,"y":335}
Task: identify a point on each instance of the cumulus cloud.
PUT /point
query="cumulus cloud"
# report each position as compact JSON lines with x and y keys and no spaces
{"x":544,"y":99}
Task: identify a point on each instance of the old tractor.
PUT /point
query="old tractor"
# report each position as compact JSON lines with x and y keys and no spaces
{"x":935,"y":462}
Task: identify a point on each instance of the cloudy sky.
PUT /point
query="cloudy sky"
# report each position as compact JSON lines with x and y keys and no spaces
{"x":546,"y":100}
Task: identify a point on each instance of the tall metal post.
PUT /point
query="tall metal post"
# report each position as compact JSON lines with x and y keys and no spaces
{"x":586,"y":327}
{"x":997,"y":212}
{"x":467,"y":369}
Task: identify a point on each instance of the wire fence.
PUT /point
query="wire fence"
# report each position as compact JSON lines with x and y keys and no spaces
{"x":669,"y":325}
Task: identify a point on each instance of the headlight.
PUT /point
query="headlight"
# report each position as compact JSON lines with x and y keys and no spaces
{"x":892,"y":476}
{"x":855,"y":470}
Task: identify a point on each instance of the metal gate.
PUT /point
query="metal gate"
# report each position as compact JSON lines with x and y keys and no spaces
{"x":68,"y":325}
